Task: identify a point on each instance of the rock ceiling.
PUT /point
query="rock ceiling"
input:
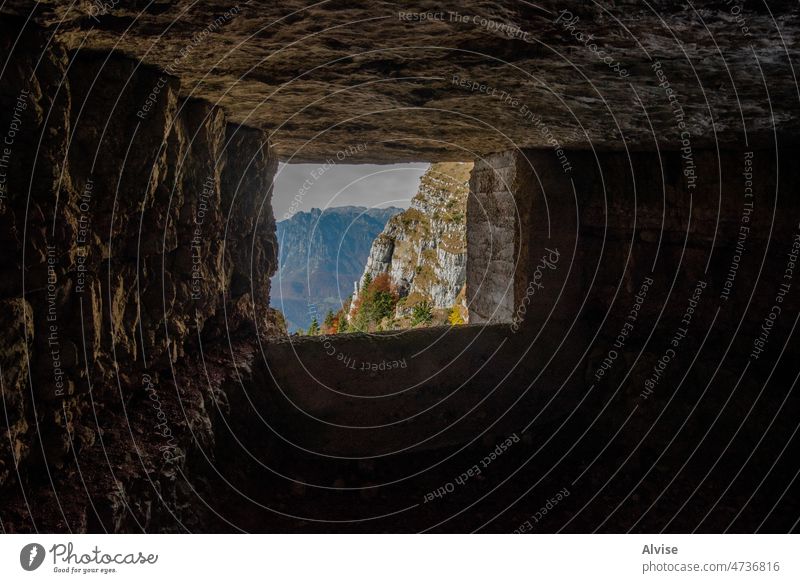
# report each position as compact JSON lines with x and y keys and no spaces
{"x":379,"y":82}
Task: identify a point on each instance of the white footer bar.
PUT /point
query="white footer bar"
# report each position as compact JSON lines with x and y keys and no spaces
{"x":400,"y":558}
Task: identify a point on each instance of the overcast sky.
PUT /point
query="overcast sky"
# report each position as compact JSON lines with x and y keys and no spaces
{"x":301,"y":187}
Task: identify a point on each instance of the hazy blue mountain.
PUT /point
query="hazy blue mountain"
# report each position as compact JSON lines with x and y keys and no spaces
{"x":321,"y":254}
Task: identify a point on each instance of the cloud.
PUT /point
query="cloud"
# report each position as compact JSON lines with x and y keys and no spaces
{"x":301,"y":187}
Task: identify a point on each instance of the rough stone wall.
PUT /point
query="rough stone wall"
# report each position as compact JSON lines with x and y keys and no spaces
{"x":615,"y":219}
{"x":115,"y":416}
{"x":676,"y":291}
{"x":630,"y":216}
{"x":136,"y":226}
{"x":460,"y":87}
{"x":517,"y":233}
{"x":492,"y":240}
{"x":643,"y":438}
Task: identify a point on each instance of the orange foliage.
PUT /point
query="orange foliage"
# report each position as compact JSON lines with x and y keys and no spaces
{"x":334,"y":327}
{"x":382,"y":283}
{"x":356,"y":305}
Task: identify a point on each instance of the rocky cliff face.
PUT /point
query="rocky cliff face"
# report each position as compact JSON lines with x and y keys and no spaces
{"x":321,"y":253}
{"x":136,"y":227}
{"x":423,"y":249}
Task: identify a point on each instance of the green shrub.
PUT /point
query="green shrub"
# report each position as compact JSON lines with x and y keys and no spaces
{"x":421,"y":313}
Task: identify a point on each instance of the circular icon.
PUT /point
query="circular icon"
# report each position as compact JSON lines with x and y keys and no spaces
{"x":31,"y":556}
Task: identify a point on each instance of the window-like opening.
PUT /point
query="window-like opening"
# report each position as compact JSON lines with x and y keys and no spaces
{"x":371,"y":247}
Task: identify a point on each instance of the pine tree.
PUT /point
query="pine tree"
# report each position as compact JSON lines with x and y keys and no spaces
{"x":313,"y":329}
{"x":328,"y":322}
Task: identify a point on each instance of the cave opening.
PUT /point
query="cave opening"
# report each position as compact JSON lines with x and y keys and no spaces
{"x":374,"y":247}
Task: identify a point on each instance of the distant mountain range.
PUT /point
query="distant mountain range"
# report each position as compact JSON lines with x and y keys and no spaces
{"x":322,"y":253}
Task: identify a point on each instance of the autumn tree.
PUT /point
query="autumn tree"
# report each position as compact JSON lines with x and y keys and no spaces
{"x":328,"y":323}
{"x":455,"y":318}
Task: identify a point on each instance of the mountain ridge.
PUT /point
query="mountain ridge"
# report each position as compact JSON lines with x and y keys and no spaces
{"x":421,"y":256}
{"x":321,"y":252}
